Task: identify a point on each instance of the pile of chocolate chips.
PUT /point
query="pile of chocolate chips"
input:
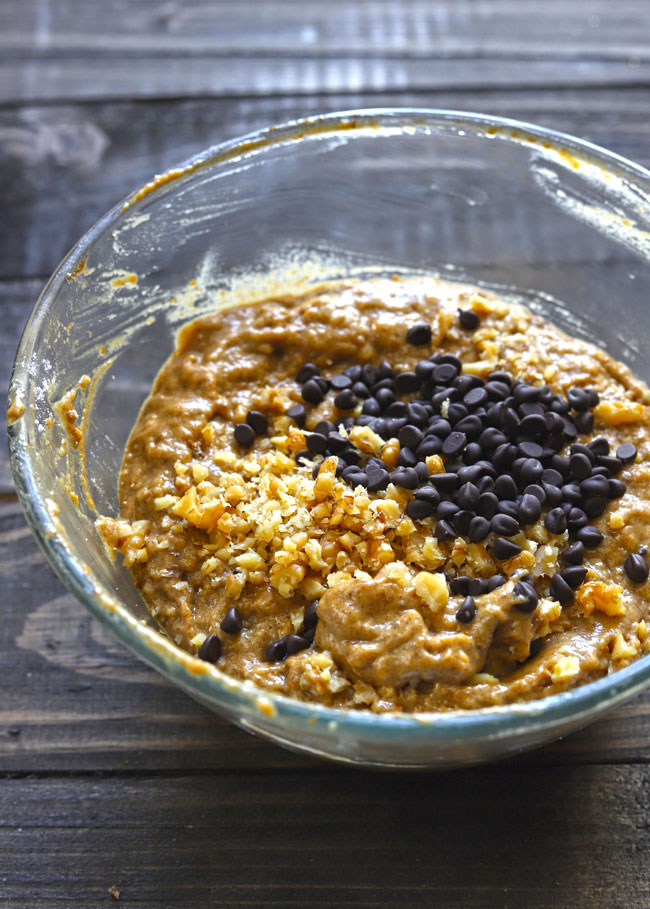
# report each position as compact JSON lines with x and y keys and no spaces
{"x":500,"y":441}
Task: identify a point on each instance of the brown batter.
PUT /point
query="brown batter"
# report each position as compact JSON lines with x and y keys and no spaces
{"x":207,"y":525}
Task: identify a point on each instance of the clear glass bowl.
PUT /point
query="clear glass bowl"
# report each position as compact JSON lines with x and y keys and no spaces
{"x":514,"y":207}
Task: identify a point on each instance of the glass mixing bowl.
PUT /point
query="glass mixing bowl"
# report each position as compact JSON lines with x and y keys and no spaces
{"x":514,"y":207}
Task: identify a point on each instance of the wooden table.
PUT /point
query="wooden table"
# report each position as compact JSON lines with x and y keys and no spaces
{"x":110,"y":776}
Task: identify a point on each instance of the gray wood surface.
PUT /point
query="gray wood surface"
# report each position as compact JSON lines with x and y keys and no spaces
{"x":109,"y":776}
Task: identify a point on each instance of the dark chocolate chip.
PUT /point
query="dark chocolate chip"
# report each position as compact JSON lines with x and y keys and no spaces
{"x":405,"y":477}
{"x":505,"y":549}
{"x":294,"y":643}
{"x":497,"y":580}
{"x":417,"y":509}
{"x":626,"y":452}
{"x":312,"y":392}
{"x":580,"y":466}
{"x":346,"y":400}
{"x":469,"y":320}
{"x":244,"y":434}
{"x":578,"y":399}
{"x":297,"y":413}
{"x":467,"y":496}
{"x":445,"y":482}
{"x":377,"y":479}
{"x":505,"y":525}
{"x":615,"y":489}
{"x":210,"y":649}
{"x":636,"y":568}
{"x":560,"y":590}
{"x":467,"y":611}
{"x":556,"y":521}
{"x":525,"y":596}
{"x":479,"y":528}
{"x":488,"y":504}
{"x":306,"y":372}
{"x":419,"y":334}
{"x":232,"y":622}
{"x":444,"y":531}
{"x":258,"y":421}
{"x":590,"y":536}
{"x":410,"y":436}
{"x":574,"y":554}
{"x":454,"y":444}
{"x":574,"y":575}
{"x":316,"y":443}
{"x":530,"y":509}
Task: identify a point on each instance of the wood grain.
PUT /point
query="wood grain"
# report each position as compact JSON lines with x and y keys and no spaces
{"x":73,"y":50}
{"x":493,"y":837}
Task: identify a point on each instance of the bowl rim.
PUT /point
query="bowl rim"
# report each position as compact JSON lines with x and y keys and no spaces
{"x":203,"y":680}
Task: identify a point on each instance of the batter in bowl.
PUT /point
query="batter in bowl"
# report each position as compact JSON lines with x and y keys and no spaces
{"x":397,"y":494}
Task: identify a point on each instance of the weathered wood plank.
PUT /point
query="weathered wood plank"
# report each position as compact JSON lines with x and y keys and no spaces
{"x":75,"y":699}
{"x":494,"y":837}
{"x":410,"y":28}
{"x":55,"y":77}
{"x":64,"y":166}
{"x":75,"y":50}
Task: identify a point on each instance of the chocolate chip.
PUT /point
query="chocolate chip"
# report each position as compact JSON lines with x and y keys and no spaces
{"x":312,"y":392}
{"x":454,"y":444}
{"x":244,"y":434}
{"x":444,"y":531}
{"x":258,"y":421}
{"x":578,"y":399}
{"x":467,"y":496}
{"x":346,"y":400}
{"x":626,"y":452}
{"x":525,"y":596}
{"x":316,"y":443}
{"x":580,"y":466}
{"x":428,"y":493}
{"x":537,"y":491}
{"x":475,"y":397}
{"x":417,"y":509}
{"x":405,"y":477}
{"x":505,"y":549}
{"x":430,"y":445}
{"x":294,"y":643}
{"x":560,"y":590}
{"x":310,"y":616}
{"x":467,"y":611}
{"x":377,"y":480}
{"x":574,"y":575}
{"x":488,"y":504}
{"x":406,"y":382}
{"x":531,"y":471}
{"x":496,"y":581}
{"x":615,"y":489}
{"x":530,"y":509}
{"x":459,"y":585}
{"x":372,"y":407}
{"x":584,"y":422}
{"x":479,"y":528}
{"x":505,"y":525}
{"x":297,"y":413}
{"x":407,"y":458}
{"x":555,"y":521}
{"x":636,"y":568}
{"x":530,"y":450}
{"x":590,"y":536}
{"x":232,"y":622}
{"x":410,"y":436}
{"x":336,"y":442}
{"x":477,"y":587}
{"x":306,"y":372}
{"x":419,"y":334}
{"x":445,"y":482}
{"x":445,"y":373}
{"x":574,"y":554}
{"x":505,"y":487}
{"x":210,"y":649}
